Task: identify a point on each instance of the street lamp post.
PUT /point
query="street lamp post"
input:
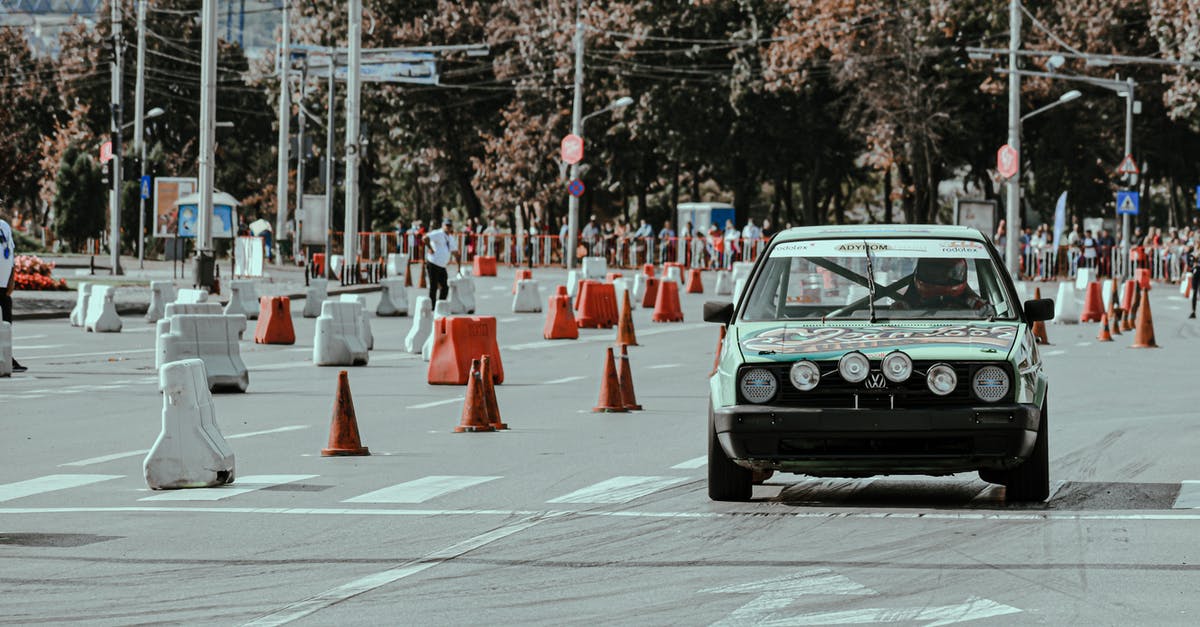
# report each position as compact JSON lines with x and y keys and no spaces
{"x":573,"y":202}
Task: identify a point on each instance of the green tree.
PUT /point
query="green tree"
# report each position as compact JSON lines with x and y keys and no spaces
{"x":81,"y":203}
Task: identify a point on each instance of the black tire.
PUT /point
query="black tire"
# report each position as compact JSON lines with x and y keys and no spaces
{"x":1030,"y":482}
{"x":726,"y":480}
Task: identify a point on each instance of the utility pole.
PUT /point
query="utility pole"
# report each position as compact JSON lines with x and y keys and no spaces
{"x":576,"y":129}
{"x":330,"y":166}
{"x":1125,"y":243}
{"x":114,"y":196}
{"x":139,"y":126}
{"x":285,"y":116}
{"x":353,"y":89}
{"x":1013,"y":206}
{"x":208,"y":130}
{"x":301,"y":153}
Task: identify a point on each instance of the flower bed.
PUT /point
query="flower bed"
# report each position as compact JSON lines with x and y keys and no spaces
{"x":34,"y":274}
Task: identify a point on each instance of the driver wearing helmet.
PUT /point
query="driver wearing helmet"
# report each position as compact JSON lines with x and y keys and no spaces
{"x":940,"y":284}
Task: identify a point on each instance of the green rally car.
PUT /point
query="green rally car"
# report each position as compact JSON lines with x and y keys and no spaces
{"x":871,"y":350}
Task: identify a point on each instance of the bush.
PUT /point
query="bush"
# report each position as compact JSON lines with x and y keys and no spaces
{"x":33,"y":274}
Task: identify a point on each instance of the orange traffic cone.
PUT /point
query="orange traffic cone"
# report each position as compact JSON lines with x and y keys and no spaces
{"x":694,"y":283}
{"x":720,"y":346}
{"x":343,"y":433}
{"x":651,"y":295}
{"x":421,"y":281}
{"x":1105,"y":335}
{"x":625,"y":333}
{"x":666,"y":304}
{"x":610,"y":389}
{"x":648,"y":270}
{"x":1093,"y":304}
{"x":628,"y":398}
{"x":474,"y":414}
{"x":1039,"y":328}
{"x":1143,"y":336}
{"x":1131,"y":318}
{"x":489,"y":393}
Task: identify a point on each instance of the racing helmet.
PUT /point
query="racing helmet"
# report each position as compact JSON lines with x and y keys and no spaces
{"x":940,"y":278}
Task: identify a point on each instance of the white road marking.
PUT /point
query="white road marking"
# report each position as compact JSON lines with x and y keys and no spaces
{"x":108,"y":458}
{"x":29,"y":337}
{"x":20,"y":347}
{"x":148,"y":329}
{"x":108,"y":353}
{"x":780,"y":592}
{"x":49,"y":483}
{"x":1084,"y":344}
{"x":497,"y":288}
{"x":670,"y":328}
{"x":506,"y":320}
{"x":25,"y":396}
{"x":1053,"y":353}
{"x":564,"y":380}
{"x":300,"y":609}
{"x":448,"y":401}
{"x":241,"y":486}
{"x":420,"y":490}
{"x":974,"y":608}
{"x":698,"y":462}
{"x":1189,"y":495}
{"x":662,"y":366}
{"x":618,"y":490}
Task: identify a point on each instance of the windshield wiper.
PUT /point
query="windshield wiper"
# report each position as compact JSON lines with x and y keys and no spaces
{"x":870,"y":279}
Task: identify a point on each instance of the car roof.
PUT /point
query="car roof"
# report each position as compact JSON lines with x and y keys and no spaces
{"x":878,"y":231}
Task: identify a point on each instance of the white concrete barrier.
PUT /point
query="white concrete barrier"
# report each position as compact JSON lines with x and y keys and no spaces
{"x":396,"y":265}
{"x":190,"y":451}
{"x":454,"y":299}
{"x":393,"y":299}
{"x":1183,"y":284}
{"x":742,"y":269}
{"x":422,"y":326}
{"x":213,"y":339}
{"x":441,"y":310}
{"x":315,"y":294}
{"x":1066,"y":305}
{"x":724,"y":285}
{"x":189,"y":296}
{"x":595,"y":267}
{"x":161,"y":293}
{"x":672,"y":273}
{"x":1083,"y":276}
{"x":5,"y":349}
{"x":639,"y":289}
{"x":738,"y":286}
{"x":101,"y":314}
{"x":573,"y":279}
{"x":163,"y":326}
{"x":466,"y":289}
{"x":338,"y":340}
{"x":364,"y":322}
{"x":620,"y":287}
{"x":243,"y":299}
{"x":335,"y":264}
{"x":81,"y":304}
{"x":528,"y":298}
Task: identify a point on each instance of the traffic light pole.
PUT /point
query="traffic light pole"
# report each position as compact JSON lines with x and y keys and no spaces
{"x":330,"y":166}
{"x":576,"y":129}
{"x":208,"y":105}
{"x":353,"y":93}
{"x":139,"y":127}
{"x":1012,"y":214}
{"x":114,"y":196}
{"x":285,"y":117}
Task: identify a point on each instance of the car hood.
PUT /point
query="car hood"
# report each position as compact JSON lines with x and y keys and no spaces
{"x":775,"y":341}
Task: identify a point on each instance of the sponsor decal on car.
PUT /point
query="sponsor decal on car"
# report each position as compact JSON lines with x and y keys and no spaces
{"x":794,"y":340}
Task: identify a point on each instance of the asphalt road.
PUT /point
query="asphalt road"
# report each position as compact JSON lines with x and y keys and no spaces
{"x":573,"y":517}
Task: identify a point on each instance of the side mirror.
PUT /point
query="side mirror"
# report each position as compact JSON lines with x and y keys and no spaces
{"x":718,"y":311}
{"x":1039,"y":310}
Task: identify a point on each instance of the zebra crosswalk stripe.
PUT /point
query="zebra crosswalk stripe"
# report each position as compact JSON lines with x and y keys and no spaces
{"x":241,"y":486}
{"x":618,"y":490}
{"x":420,"y":490}
{"x":49,"y":483}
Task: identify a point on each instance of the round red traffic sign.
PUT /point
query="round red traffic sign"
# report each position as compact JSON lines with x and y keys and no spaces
{"x":575,"y":188}
{"x":572,"y":149}
{"x":1007,"y":161}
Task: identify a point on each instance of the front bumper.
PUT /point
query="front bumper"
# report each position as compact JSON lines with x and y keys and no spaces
{"x":865,"y":442}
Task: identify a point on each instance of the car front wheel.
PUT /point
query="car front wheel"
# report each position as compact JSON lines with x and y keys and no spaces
{"x":726,"y":480}
{"x":1030,"y":482}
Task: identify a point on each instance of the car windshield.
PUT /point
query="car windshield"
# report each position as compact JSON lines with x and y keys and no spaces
{"x":920,"y":278}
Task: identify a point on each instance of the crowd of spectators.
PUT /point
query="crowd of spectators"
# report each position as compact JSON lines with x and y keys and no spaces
{"x":1164,"y":253}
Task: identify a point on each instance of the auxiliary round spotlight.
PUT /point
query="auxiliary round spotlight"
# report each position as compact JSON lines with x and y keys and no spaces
{"x":854,"y":367}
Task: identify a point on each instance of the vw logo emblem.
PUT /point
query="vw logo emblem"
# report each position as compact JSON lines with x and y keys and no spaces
{"x":876,"y":381}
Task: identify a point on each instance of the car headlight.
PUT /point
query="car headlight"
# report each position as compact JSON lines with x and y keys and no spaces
{"x":990,"y":384}
{"x":941,"y":379}
{"x":805,"y":375}
{"x":897,"y":367}
{"x":854,"y":367}
{"x":759,"y":385}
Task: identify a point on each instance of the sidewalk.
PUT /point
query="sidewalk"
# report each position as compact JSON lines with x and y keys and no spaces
{"x":133,"y":295}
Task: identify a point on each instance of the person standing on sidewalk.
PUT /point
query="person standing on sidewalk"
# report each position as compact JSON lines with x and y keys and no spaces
{"x":439,"y":246}
{"x":8,"y":279}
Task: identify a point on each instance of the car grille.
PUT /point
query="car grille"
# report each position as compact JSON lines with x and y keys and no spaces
{"x":833,"y":392}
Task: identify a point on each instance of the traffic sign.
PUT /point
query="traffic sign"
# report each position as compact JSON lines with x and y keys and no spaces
{"x":146,"y":187}
{"x":1198,"y":196}
{"x":1127,"y":203}
{"x":1128,"y":166}
{"x":1007,"y":161}
{"x":106,"y":152}
{"x":575,"y":188}
{"x":572,"y":149}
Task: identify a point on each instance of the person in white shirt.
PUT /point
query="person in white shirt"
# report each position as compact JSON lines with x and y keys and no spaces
{"x":8,"y":278}
{"x":439,"y":246}
{"x":753,"y":236}
{"x":732,"y":245}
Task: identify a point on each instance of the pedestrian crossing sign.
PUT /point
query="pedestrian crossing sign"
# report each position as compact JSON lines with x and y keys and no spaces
{"x":1127,"y":203}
